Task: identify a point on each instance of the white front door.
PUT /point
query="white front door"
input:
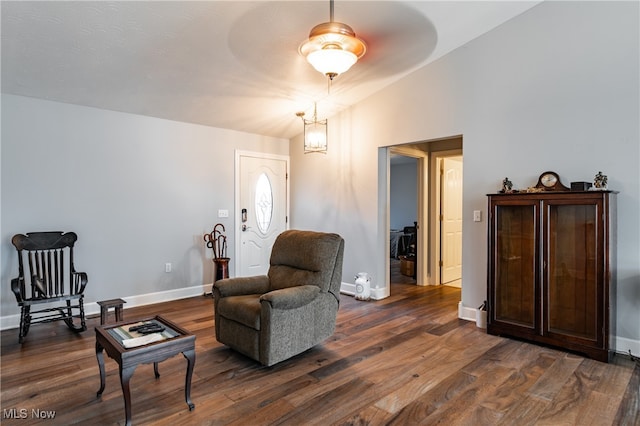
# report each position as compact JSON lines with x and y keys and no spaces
{"x":262,"y":209}
{"x":451,"y":224}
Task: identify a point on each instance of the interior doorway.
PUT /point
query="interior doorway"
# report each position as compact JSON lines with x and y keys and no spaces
{"x":403,"y":218}
{"x":405,"y":238}
{"x":439,"y":249}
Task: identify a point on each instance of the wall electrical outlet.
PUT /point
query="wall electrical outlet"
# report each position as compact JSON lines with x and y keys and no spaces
{"x":167,"y":267}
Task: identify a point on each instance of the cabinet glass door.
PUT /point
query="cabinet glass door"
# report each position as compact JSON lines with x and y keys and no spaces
{"x":571,"y":277}
{"x":515,"y":264}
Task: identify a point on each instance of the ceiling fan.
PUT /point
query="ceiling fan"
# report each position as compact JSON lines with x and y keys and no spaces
{"x":332,"y":47}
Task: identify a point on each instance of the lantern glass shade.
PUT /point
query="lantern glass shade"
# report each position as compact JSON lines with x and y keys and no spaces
{"x":315,"y":136}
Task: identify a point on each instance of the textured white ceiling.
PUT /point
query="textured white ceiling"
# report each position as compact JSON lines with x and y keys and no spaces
{"x":227,"y":64}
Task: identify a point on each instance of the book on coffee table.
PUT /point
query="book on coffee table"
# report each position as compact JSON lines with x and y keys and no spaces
{"x":131,"y":339}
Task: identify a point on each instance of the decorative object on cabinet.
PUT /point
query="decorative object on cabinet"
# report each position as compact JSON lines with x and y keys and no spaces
{"x":580,"y":186}
{"x":550,"y":181}
{"x":551,"y":269}
{"x":534,"y":189}
{"x":600,"y":182}
{"x":507,"y":186}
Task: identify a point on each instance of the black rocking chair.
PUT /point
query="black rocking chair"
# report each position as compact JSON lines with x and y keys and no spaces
{"x":45,"y":260}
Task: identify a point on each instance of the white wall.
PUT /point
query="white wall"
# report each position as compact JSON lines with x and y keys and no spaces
{"x":138,"y":191}
{"x":556,"y":88}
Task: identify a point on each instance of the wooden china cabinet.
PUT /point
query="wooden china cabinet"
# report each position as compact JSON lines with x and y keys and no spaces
{"x":551,"y":265}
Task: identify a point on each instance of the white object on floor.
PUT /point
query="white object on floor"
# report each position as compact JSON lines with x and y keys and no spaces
{"x":481,"y":318}
{"x":363,"y":286}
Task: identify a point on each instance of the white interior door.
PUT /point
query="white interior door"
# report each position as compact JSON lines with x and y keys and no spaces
{"x":451,"y":224}
{"x":262,"y":210}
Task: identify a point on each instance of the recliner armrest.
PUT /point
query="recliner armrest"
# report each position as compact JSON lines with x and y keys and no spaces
{"x":239,"y":286}
{"x":292,"y":297}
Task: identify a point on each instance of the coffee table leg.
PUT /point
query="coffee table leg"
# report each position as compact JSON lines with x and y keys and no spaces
{"x":125,"y":376}
{"x":155,"y":370}
{"x":100,"y":357}
{"x":191,"y":361}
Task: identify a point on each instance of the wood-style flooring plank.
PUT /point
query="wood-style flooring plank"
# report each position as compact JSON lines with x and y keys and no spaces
{"x":403,"y":360}
{"x":629,"y":410}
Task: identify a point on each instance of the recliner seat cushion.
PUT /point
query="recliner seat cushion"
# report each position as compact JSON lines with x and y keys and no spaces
{"x":243,"y":309}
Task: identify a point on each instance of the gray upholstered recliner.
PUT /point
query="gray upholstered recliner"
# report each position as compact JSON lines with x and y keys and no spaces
{"x":273,"y":317}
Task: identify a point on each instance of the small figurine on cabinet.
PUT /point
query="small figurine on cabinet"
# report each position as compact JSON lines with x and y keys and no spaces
{"x":600,"y":181}
{"x":507,"y":186}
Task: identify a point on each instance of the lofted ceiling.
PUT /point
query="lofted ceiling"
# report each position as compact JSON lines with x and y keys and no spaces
{"x":226,"y":64}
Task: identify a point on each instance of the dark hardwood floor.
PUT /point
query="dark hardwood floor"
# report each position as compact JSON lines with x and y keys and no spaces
{"x":403,"y":360}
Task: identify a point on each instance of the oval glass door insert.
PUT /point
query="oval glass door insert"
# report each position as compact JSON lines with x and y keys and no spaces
{"x":263,"y":203}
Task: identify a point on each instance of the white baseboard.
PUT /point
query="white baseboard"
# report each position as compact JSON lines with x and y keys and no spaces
{"x":92,"y":308}
{"x":466,"y":313}
{"x":350,"y":290}
{"x":207,"y":288}
{"x":623,"y":345}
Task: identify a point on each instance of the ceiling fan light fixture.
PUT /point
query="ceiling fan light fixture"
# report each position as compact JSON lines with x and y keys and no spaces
{"x":331,"y":61}
{"x":332,"y":47}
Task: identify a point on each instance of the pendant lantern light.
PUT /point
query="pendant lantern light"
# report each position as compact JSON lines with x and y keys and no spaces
{"x":315,"y":133}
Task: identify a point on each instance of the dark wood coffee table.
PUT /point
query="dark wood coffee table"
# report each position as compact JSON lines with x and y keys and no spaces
{"x":176,"y":340}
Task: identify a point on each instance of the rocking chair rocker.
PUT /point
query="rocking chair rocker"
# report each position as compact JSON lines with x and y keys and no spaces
{"x":45,"y":260}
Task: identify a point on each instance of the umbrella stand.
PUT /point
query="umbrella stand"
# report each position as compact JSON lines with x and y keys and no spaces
{"x":217,"y":241}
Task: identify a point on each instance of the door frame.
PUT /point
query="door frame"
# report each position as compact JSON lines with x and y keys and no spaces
{"x":426,"y":150}
{"x":237,"y":222}
{"x":436,"y":243}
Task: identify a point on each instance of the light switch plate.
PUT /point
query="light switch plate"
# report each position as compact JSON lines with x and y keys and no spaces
{"x":223,"y":213}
